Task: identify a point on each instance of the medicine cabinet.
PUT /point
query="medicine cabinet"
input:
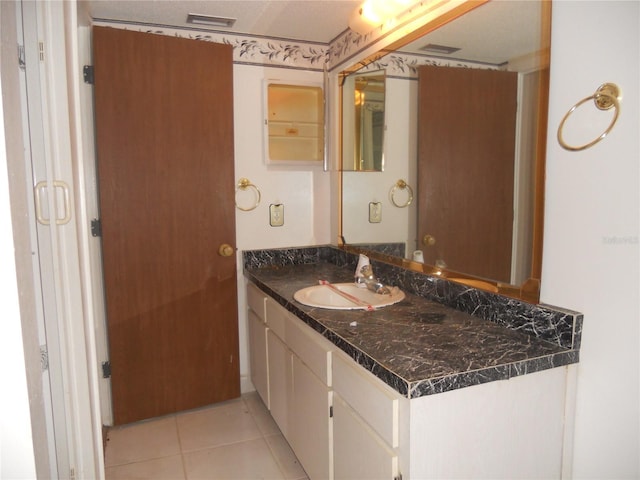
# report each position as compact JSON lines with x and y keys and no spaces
{"x":294,"y":123}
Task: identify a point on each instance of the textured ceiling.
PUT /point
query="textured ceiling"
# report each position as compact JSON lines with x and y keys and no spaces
{"x":493,"y":33}
{"x":312,"y":20}
{"x":499,"y":31}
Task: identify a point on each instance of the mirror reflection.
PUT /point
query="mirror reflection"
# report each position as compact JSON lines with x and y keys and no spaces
{"x":497,"y":36}
{"x":364,"y":121}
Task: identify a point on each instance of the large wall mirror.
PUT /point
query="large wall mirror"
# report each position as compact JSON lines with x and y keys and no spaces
{"x":465,"y":114}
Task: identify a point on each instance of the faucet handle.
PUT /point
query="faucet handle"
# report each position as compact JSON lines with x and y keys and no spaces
{"x":366,"y":270}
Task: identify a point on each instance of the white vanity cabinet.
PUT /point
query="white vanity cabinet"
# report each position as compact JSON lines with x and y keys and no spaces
{"x":510,"y":429}
{"x":299,"y":371}
{"x":501,"y":430}
{"x":257,"y":329}
{"x":367,"y":423}
{"x":295,"y":365}
{"x":343,"y":422}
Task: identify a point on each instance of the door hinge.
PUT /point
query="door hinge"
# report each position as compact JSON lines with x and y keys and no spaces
{"x":96,"y":227}
{"x":41,"y":51}
{"x":22,"y":62}
{"x":44,"y":358}
{"x":72,"y":474}
{"x":398,"y":477}
{"x":331,"y":411}
{"x":87,"y":74}
{"x":106,"y":369}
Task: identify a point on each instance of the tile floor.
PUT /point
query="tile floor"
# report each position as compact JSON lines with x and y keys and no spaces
{"x":237,"y":439}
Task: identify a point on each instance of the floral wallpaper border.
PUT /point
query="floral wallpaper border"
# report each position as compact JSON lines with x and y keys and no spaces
{"x":283,"y":53}
{"x":399,"y":65}
{"x":247,"y":49}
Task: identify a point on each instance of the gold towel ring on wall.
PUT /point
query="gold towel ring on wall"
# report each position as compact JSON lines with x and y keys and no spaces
{"x":607,"y":96}
{"x":401,"y":185}
{"x":243,"y":184}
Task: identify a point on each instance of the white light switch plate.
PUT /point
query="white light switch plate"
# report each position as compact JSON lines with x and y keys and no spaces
{"x":276,"y":215}
{"x":375,"y":212}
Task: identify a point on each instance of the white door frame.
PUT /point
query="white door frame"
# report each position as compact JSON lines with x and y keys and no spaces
{"x":51,"y":46}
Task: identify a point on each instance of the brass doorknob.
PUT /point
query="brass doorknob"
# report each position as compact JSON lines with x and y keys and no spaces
{"x":429,"y":240}
{"x":225,"y":250}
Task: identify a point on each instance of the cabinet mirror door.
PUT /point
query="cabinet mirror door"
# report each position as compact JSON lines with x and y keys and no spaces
{"x":294,"y":124}
{"x":363,"y":122}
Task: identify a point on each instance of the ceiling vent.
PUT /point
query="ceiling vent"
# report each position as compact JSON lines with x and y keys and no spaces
{"x":210,"y":20}
{"x":438,"y":49}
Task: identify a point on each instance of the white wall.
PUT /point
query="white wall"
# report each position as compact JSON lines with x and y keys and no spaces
{"x":304,"y":190}
{"x":591,"y":227}
{"x":299,"y":189}
{"x":360,"y":188}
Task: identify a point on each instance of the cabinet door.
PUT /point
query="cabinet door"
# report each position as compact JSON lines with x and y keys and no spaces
{"x":258,"y":356}
{"x":280,"y":380}
{"x":358,"y":452}
{"x":310,"y":424}
{"x":294,"y":123}
{"x":376,"y":403}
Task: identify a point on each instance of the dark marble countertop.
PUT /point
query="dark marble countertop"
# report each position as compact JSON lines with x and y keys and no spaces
{"x":418,"y":346}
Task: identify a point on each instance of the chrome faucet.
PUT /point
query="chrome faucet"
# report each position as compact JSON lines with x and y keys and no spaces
{"x":371,"y":282}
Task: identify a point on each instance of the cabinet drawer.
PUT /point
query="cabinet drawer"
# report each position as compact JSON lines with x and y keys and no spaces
{"x":310,"y":347}
{"x":256,"y":299}
{"x":374,"y":401}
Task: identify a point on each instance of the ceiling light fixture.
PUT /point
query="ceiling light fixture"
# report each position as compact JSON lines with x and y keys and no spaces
{"x":210,"y":20}
{"x":373,"y":13}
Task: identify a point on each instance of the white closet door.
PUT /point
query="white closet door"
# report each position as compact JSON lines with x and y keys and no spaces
{"x":73,"y":432}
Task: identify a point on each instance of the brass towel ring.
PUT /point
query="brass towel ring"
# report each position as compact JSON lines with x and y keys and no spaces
{"x":243,"y":184}
{"x":401,"y":185}
{"x":607,"y":96}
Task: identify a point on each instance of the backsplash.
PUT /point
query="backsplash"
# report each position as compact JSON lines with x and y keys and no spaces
{"x":398,"y":249}
{"x":556,"y":325}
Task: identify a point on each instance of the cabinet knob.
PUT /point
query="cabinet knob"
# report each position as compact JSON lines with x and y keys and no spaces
{"x":225,"y":250}
{"x":429,"y":240}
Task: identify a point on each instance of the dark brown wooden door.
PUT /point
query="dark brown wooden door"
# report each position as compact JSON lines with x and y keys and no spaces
{"x":466,"y":140}
{"x":164,"y":134}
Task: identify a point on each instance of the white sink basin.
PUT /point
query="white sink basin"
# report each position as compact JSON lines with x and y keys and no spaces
{"x":346,"y":296}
